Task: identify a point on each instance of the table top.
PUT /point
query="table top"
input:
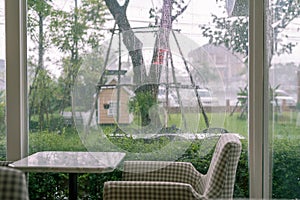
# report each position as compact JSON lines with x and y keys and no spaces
{"x":70,"y":162}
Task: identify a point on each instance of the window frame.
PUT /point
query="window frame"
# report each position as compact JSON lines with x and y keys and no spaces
{"x":258,"y":133}
{"x":112,"y":110}
{"x":16,"y":79}
{"x":16,"y":92}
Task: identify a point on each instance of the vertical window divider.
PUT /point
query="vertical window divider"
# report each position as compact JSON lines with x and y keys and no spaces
{"x":16,"y":90}
{"x":258,"y":103}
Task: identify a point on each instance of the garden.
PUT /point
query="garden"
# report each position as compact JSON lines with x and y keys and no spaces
{"x":78,"y":34}
{"x":285,"y":159}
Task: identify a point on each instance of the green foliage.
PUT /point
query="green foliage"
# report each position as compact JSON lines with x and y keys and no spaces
{"x":2,"y":113}
{"x":232,"y":32}
{"x":54,"y":122}
{"x":73,"y":32}
{"x":48,"y":186}
{"x":80,"y":26}
{"x":67,"y":140}
{"x":242,"y":97}
{"x":286,"y":166}
{"x":141,"y":103}
{"x":38,"y":11}
{"x":241,"y":187}
{"x":140,"y":145}
{"x":2,"y":125}
{"x":178,"y":7}
{"x":88,"y":77}
{"x":241,"y":8}
{"x":91,"y":185}
{"x":54,"y":186}
{"x":44,"y":99}
{"x":2,"y":147}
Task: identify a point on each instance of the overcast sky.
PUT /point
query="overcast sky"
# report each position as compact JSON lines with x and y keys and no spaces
{"x":198,"y":12}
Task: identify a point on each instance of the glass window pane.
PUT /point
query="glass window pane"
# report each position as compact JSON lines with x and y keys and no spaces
{"x":284,"y":97}
{"x":112,"y":111}
{"x":2,"y":84}
{"x":150,"y":91}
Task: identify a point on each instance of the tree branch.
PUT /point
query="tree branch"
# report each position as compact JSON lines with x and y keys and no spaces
{"x":179,"y":13}
{"x":126,"y":4}
{"x":132,"y":43}
{"x":288,"y":16}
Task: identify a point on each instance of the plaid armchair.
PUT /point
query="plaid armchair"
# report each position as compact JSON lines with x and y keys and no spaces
{"x":13,"y":184}
{"x":179,"y":180}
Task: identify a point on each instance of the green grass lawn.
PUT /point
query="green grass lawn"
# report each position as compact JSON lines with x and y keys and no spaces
{"x":70,"y":139}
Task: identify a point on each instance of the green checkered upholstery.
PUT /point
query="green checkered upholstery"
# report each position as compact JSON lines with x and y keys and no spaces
{"x":179,"y":180}
{"x":13,"y":184}
{"x":5,"y":163}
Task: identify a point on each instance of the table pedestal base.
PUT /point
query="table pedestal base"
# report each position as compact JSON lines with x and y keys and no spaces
{"x":73,"y":192}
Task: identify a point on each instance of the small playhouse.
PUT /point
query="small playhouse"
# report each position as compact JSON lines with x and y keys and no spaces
{"x":109,"y":110}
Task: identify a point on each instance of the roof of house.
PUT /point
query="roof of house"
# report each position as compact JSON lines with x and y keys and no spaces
{"x":124,"y":80}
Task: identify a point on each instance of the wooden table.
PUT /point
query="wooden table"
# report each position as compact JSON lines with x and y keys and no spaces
{"x":70,"y":162}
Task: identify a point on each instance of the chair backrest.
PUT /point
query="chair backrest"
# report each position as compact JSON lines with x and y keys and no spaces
{"x":182,"y":172}
{"x":220,"y":178}
{"x":13,"y":184}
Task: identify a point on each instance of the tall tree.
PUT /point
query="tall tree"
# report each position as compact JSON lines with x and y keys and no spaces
{"x":75,"y":32}
{"x":232,"y":31}
{"x":39,"y":11}
{"x":146,"y":84}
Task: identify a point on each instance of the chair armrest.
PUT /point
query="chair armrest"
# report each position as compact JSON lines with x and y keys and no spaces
{"x":5,"y":163}
{"x":148,"y":190}
{"x":181,"y":172}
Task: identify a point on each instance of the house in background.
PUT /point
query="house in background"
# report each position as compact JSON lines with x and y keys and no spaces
{"x":231,"y":68}
{"x":109,"y":111}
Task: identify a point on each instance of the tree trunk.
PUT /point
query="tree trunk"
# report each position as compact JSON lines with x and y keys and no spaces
{"x":73,"y":69}
{"x":132,"y":43}
{"x":34,"y":90}
{"x":143,"y":82}
{"x":161,"y":44}
{"x":160,"y":53}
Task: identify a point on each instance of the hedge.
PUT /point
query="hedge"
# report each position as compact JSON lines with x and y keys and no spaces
{"x":286,"y":173}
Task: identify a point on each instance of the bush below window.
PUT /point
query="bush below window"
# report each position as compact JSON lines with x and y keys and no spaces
{"x":286,"y":170}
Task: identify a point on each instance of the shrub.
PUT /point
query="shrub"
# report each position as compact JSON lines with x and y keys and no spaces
{"x":48,"y":186}
{"x":56,"y":122}
{"x":286,"y":167}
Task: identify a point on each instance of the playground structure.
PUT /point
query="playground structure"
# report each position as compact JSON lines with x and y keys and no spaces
{"x":174,"y":74}
{"x":166,"y":72}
